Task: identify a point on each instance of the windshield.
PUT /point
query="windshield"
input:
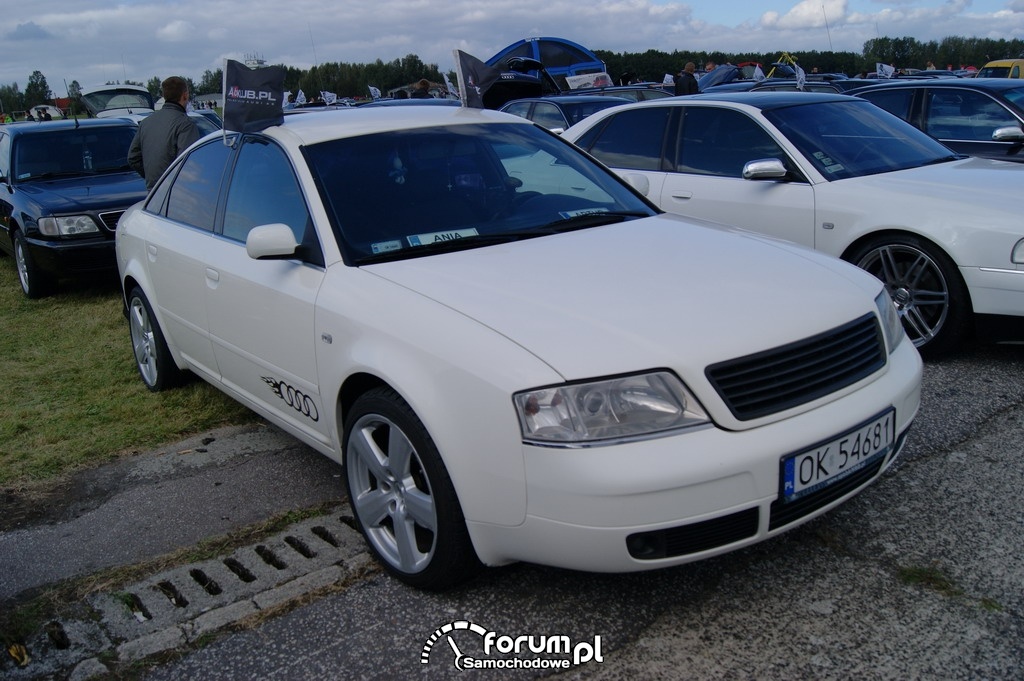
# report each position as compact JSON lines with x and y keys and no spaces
{"x":994,"y":72}
{"x":115,"y":98}
{"x":1015,"y":95}
{"x":852,"y":139}
{"x":71,"y":152}
{"x":416,"y":192}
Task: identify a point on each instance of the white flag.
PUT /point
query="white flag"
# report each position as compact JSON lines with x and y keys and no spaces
{"x":374,"y":92}
{"x":452,"y":90}
{"x":759,"y":74}
{"x":885,"y":70}
{"x":669,"y":79}
{"x":328,"y":97}
{"x":300,"y":98}
{"x":801,"y":77}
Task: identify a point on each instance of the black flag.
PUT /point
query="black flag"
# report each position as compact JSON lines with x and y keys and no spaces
{"x":475,"y":78}
{"x":252,"y":97}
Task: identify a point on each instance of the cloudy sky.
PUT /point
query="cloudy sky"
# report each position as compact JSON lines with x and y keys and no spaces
{"x":95,"y":41}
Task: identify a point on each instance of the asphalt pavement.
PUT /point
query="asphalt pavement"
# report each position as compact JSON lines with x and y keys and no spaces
{"x":918,"y":577}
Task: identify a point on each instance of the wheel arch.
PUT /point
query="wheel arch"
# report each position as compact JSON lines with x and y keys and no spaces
{"x":864,"y":239}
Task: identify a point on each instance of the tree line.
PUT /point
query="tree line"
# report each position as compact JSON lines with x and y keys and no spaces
{"x":355,"y":80}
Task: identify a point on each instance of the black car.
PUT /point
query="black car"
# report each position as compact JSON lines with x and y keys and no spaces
{"x":558,"y":112}
{"x":68,"y":182}
{"x":973,"y":116}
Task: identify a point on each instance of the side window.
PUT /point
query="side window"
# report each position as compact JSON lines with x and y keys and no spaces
{"x":5,"y":155}
{"x":192,"y":196}
{"x":264,"y":190}
{"x":965,"y":115}
{"x":896,"y":102}
{"x":548,"y":115}
{"x":720,"y":142}
{"x":632,"y":139}
{"x":521,"y":109}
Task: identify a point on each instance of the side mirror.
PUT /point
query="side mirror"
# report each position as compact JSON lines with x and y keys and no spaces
{"x":638,"y":182}
{"x":764,"y":169}
{"x":271,"y":241}
{"x":1008,"y":134}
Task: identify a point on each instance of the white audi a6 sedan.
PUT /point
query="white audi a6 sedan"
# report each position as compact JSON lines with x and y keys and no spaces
{"x":515,"y":356}
{"x":943,"y":232}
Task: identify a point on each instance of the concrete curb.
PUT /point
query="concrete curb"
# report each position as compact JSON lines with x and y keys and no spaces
{"x":183,"y":605}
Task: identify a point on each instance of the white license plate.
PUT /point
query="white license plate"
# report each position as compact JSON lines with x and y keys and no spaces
{"x":831,"y":461}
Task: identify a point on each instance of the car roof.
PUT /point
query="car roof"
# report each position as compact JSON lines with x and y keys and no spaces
{"x":31,"y":127}
{"x":992,"y":84}
{"x":625,"y":88}
{"x":409,"y":101}
{"x":763,"y":99}
{"x":570,"y":99}
{"x":321,"y":126}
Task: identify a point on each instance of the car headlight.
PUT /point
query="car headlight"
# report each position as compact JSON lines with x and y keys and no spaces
{"x":70,"y":225}
{"x":608,"y":411}
{"x":891,"y":324}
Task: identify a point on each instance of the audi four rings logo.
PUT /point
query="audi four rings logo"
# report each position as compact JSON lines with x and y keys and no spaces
{"x":294,"y":398}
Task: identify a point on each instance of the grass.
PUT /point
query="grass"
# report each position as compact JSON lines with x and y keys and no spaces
{"x":930,"y":576}
{"x":72,"y":394}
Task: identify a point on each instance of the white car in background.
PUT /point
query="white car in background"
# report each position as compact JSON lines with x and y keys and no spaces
{"x":943,"y":232}
{"x":512,"y":363}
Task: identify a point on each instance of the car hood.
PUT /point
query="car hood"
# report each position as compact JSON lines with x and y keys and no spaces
{"x":91,"y":192}
{"x":975,"y":184}
{"x":642,"y":294}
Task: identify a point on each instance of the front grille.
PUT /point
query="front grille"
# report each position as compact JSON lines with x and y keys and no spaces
{"x":693,"y":538}
{"x":110,"y":219}
{"x":775,"y":380}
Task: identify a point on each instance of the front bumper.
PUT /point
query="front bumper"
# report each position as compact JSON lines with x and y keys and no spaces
{"x":589,"y":508}
{"x":73,"y":257}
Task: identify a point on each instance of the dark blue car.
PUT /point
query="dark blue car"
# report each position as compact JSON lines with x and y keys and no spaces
{"x":67,"y":183}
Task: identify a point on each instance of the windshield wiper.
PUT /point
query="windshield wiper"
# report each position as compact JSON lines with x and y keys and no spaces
{"x":52,"y":175}
{"x":945,"y":159}
{"x":115,"y":169}
{"x":556,"y":227}
{"x":587,"y":220}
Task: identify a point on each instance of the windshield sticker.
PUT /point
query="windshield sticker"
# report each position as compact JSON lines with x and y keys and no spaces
{"x":566,"y":214}
{"x":386,"y":246}
{"x":435,"y":237}
{"x":827,"y":161}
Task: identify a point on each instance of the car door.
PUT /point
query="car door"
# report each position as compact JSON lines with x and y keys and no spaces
{"x":181,"y":211}
{"x":694,"y":162}
{"x":262,"y":311}
{"x":965,"y":119}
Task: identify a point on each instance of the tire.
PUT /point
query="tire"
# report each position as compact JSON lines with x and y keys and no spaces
{"x":402,"y":498}
{"x":34,"y":282}
{"x":152,"y":356}
{"x":929,"y":293}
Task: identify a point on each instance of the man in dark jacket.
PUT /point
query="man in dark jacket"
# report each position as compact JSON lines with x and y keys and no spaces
{"x":686,"y":82}
{"x":163,"y":134}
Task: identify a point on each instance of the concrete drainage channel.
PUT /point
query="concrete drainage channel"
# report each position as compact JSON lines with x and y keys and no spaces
{"x":182,"y":605}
